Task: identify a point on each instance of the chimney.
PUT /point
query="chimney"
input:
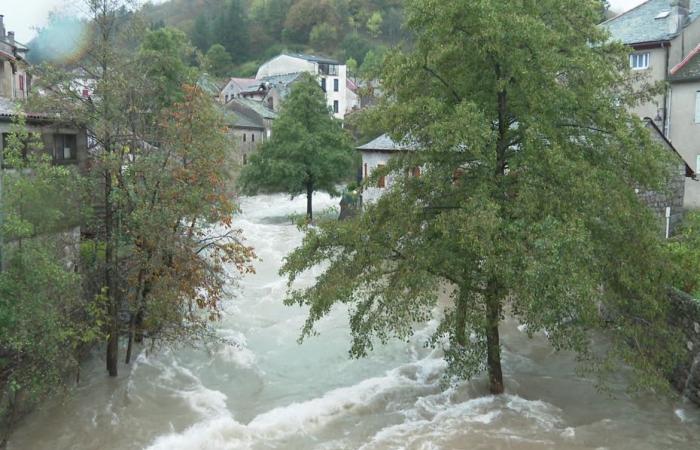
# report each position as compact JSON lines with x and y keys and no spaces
{"x":11,"y":38}
{"x":2,"y":27}
{"x":680,"y":10}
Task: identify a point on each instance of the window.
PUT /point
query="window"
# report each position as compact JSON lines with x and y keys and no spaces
{"x":697,"y":107}
{"x":226,"y":98}
{"x":639,"y":61}
{"x":244,"y":137}
{"x":381,"y":182}
{"x":252,"y":137}
{"x":245,"y":159}
{"x":335,"y":106}
{"x":21,"y":82}
{"x":336,"y":85}
{"x":328,"y":69}
{"x":323,"y":84}
{"x":65,"y":147}
{"x":365,"y":177}
{"x":416,"y":172}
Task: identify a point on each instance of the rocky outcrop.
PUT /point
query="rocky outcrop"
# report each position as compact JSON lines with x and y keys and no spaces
{"x":685,"y":317}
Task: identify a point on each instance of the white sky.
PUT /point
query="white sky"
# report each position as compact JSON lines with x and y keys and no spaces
{"x":22,"y":16}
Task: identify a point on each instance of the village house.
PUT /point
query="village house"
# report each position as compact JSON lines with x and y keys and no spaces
{"x":65,"y":144}
{"x":664,"y":38}
{"x":331,"y":75}
{"x":249,"y":123}
{"x":376,"y":154}
{"x":235,"y":86}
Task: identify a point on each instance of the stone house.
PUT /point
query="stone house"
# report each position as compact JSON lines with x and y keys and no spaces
{"x":331,"y":75}
{"x":235,"y":86}
{"x":663,"y":36}
{"x":249,"y":123}
{"x":65,"y":144}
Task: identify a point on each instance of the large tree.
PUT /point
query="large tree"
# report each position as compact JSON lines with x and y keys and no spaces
{"x":308,"y":151}
{"x":525,"y":205}
{"x":160,"y":169}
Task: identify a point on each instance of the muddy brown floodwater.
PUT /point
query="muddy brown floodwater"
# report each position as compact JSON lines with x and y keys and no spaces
{"x":270,"y":392}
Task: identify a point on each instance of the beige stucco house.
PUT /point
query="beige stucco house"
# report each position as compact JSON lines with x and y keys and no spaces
{"x":663,"y":36}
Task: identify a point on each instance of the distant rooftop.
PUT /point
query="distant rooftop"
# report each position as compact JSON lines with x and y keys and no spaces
{"x":313,"y":58}
{"x":385,"y":144}
{"x":648,"y":22}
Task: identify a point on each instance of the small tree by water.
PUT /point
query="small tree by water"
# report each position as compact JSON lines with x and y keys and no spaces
{"x":308,"y":151}
{"x":525,"y":204}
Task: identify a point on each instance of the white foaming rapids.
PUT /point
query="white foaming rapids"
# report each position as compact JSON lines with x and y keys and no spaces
{"x":223,"y":432}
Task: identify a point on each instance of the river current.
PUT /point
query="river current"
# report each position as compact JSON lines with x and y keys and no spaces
{"x":269,"y":392}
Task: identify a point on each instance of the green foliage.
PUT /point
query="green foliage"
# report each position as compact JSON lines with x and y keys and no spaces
{"x":684,"y":254}
{"x":525,"y":204}
{"x":374,"y":24}
{"x":308,"y":150}
{"x":160,"y":177}
{"x":251,"y":30}
{"x":44,"y":321}
{"x":217,"y":61}
{"x":323,"y":36}
{"x":164,"y":55}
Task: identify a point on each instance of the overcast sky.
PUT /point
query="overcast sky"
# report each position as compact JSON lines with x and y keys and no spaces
{"x":22,"y":16}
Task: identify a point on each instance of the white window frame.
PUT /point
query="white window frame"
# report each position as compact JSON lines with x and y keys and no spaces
{"x":640,"y":60}
{"x":697,"y":107}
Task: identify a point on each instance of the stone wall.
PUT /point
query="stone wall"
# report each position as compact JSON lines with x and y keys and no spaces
{"x":685,"y":316}
{"x":671,"y":197}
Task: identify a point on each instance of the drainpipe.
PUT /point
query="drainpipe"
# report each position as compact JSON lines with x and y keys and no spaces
{"x":667,"y":98}
{"x":668,"y":222}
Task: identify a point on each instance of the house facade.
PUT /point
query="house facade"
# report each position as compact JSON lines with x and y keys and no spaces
{"x":64,"y":144}
{"x":331,"y":75}
{"x":376,"y":154}
{"x":663,"y":36}
{"x":249,"y":124}
{"x":235,"y":86}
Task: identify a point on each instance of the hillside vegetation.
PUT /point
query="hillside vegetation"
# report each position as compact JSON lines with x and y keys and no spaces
{"x":252,"y":31}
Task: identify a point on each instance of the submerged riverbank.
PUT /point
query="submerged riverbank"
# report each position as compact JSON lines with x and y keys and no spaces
{"x":268,"y":391}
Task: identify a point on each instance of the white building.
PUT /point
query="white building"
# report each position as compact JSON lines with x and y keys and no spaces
{"x":332,"y":76}
{"x":376,"y":154}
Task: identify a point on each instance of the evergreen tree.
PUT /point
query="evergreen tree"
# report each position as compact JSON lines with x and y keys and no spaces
{"x":218,"y":61}
{"x":525,"y":205}
{"x":231,"y":31}
{"x":308,"y":151}
{"x":201,"y":33}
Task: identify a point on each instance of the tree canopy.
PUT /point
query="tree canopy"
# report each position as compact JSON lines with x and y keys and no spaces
{"x":525,"y":205}
{"x":308,"y":150}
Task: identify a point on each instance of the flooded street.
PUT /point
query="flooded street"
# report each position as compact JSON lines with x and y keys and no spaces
{"x":270,"y":392}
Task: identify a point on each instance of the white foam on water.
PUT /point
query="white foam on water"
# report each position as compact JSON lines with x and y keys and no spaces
{"x":295,"y":418}
{"x":435,"y":417}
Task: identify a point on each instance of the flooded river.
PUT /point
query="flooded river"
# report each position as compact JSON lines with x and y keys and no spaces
{"x":271,"y":393}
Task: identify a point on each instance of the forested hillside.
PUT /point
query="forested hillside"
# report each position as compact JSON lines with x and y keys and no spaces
{"x":253,"y":30}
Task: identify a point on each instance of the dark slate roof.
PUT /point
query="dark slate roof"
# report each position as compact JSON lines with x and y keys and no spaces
{"x":209,"y":85}
{"x":689,"y":68}
{"x":284,"y":79}
{"x":240,"y":120}
{"x":258,"y":107}
{"x":640,"y":24}
{"x":385,"y":144}
{"x":313,"y":58}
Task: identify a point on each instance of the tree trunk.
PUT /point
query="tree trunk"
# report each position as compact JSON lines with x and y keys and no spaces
{"x":130,"y":344}
{"x":493,"y":344}
{"x":113,"y":310}
{"x":461,"y":319}
{"x":309,"y":195}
